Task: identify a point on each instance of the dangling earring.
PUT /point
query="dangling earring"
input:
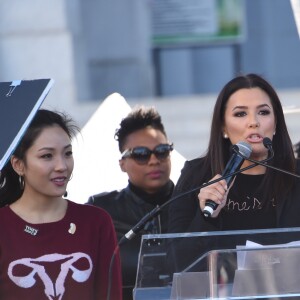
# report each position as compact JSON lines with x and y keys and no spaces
{"x":66,"y":194}
{"x":225,"y":136}
{"x":3,"y":182}
{"x":21,"y":182}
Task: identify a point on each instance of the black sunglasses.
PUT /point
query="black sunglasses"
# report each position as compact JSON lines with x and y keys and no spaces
{"x":142,"y":154}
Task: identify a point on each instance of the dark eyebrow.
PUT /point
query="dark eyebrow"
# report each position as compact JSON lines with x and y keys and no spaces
{"x":51,"y":149}
{"x":245,"y":107}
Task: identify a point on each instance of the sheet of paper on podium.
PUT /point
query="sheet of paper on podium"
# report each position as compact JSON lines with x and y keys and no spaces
{"x":19,"y":101}
{"x":267,"y":271}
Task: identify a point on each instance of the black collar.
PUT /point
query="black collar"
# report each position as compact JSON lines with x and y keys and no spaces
{"x":158,"y":198}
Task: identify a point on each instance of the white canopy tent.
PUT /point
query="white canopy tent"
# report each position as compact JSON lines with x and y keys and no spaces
{"x":296,"y":11}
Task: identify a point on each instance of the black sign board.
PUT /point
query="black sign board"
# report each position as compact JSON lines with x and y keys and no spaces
{"x":19,"y":101}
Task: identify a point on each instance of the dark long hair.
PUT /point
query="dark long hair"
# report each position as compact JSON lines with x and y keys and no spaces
{"x":218,"y":153}
{"x":10,"y":189}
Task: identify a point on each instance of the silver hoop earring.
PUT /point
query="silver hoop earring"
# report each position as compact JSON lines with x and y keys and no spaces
{"x":2,"y":184}
{"x":21,"y":182}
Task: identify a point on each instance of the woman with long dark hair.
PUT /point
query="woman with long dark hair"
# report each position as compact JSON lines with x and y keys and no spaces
{"x":51,"y":247}
{"x":247,"y":110}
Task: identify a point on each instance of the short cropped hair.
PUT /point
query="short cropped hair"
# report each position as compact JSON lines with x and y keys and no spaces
{"x":139,"y":118}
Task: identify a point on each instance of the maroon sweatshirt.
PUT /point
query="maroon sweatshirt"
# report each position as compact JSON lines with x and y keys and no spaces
{"x":65,"y":260}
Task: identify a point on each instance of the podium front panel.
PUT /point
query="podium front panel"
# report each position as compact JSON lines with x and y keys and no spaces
{"x":219,"y":265}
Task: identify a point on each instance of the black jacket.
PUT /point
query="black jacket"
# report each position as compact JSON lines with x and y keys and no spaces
{"x":127,"y":207}
{"x":185,"y":213}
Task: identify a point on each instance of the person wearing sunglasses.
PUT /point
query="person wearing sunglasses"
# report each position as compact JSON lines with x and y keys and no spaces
{"x":145,"y":157}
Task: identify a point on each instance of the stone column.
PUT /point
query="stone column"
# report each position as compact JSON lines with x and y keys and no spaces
{"x":43,"y":39}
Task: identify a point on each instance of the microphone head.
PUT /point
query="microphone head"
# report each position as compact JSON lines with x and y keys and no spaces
{"x":244,"y":148}
{"x":267,"y":142}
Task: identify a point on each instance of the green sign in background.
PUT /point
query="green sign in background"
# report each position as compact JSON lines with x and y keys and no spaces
{"x":197,"y":22}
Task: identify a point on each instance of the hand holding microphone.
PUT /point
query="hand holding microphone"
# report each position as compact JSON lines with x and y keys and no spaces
{"x":217,"y":192}
{"x":242,"y":151}
{"x":213,"y":197}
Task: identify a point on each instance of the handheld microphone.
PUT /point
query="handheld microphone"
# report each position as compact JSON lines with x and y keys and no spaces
{"x":241,"y":151}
